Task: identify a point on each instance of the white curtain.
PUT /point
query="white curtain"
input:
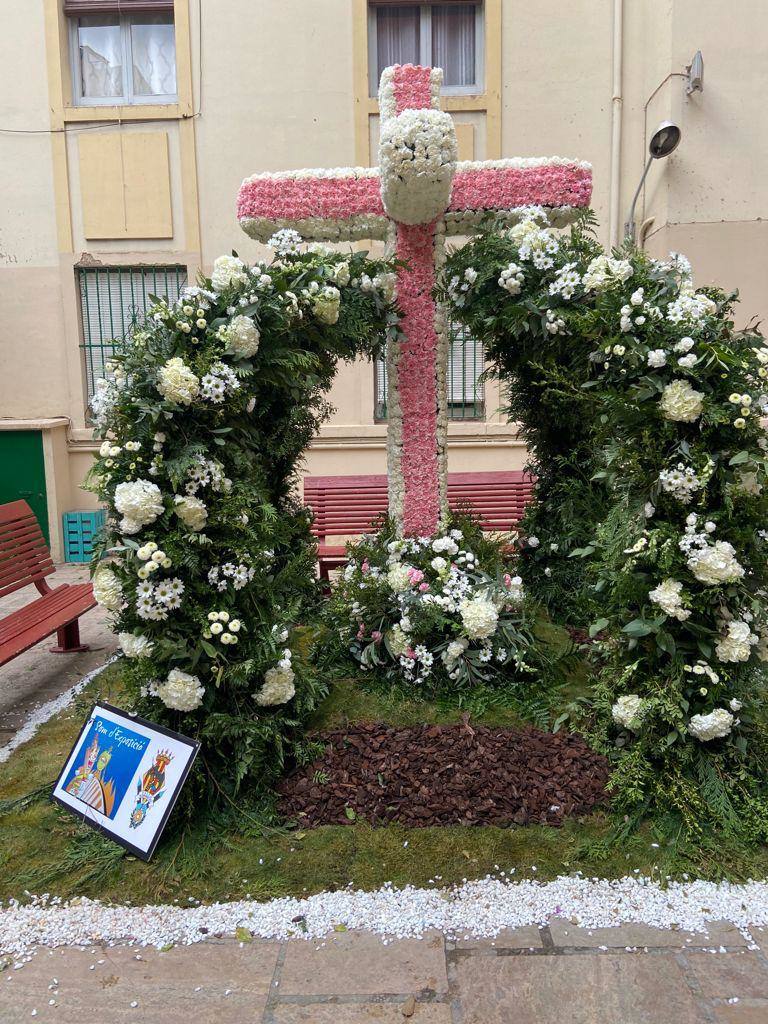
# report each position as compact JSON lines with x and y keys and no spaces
{"x":453,"y":42}
{"x":153,"y":47}
{"x":397,"y":36}
{"x":101,"y":56}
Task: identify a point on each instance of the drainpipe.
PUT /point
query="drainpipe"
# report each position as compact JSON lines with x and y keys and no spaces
{"x":616,"y":111}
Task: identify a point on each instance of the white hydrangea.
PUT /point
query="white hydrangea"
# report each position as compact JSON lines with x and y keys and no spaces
{"x":628,"y":711}
{"x":605,"y":271}
{"x":737,"y":643}
{"x":398,"y":640}
{"x":667,"y":597}
{"x":514,"y":589}
{"x":191,"y":511}
{"x":716,"y":724}
{"x":241,"y":337}
{"x":511,"y":279}
{"x":326,"y":304}
{"x":133,"y":645}
{"x":177,"y":383}
{"x":681,"y":403}
{"x":139,"y":502}
{"x":180,"y":691}
{"x":228,"y":270}
{"x":690,"y":308}
{"x":398,"y":577}
{"x":107,"y":589}
{"x":715,"y":563}
{"x":479,"y":617}
{"x":278,"y":685}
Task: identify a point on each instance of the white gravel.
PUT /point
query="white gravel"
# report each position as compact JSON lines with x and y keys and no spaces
{"x":479,"y":908}
{"x":45,"y":712}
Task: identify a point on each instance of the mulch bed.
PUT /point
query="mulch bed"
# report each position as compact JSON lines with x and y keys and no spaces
{"x":445,"y":775}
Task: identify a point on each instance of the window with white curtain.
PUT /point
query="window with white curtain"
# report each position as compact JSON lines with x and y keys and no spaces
{"x":448,"y":36}
{"x":123,"y":58}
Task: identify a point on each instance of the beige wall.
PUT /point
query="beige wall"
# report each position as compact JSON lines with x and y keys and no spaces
{"x":283,"y":85}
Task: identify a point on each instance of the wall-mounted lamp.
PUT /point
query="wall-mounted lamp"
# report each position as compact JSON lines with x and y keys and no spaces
{"x":695,"y":72}
{"x":663,"y":141}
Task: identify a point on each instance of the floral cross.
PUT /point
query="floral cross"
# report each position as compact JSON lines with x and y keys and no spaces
{"x":417,"y":196}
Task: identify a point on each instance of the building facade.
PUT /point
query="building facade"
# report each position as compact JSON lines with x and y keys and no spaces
{"x":128,"y":126}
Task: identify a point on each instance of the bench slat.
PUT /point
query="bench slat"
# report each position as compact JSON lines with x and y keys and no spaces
{"x":24,"y":555}
{"x":29,"y":625}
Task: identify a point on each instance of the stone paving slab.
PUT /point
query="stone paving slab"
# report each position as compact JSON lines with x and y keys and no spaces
{"x":353,"y":977}
{"x":358,"y":963}
{"x":608,"y":989}
{"x":640,"y":935}
{"x":38,"y":676}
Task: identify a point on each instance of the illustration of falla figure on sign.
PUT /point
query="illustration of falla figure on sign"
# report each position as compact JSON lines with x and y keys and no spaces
{"x":90,"y":784}
{"x":151,"y":787}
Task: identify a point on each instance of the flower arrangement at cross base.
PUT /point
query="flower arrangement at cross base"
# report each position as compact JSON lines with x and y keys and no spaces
{"x":667,"y":402}
{"x":207,"y":561}
{"x":440,"y":613}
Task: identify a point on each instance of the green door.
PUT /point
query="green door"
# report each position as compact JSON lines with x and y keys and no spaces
{"x":22,"y":472}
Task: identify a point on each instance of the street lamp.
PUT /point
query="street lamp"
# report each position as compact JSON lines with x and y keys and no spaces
{"x":663,"y":141}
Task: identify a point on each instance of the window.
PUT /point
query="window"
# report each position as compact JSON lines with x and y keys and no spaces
{"x":466,"y":363}
{"x":122,"y":56}
{"x":112,"y":299}
{"x":448,"y":36}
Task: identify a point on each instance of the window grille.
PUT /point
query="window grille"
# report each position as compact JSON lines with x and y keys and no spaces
{"x":466,"y":363}
{"x":112,"y":299}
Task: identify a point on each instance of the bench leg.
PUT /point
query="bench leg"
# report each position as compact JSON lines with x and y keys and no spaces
{"x":69,"y":639}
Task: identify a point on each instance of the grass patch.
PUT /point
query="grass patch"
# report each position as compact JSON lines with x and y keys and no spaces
{"x":44,"y":849}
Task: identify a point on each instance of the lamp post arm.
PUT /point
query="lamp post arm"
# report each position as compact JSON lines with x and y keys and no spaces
{"x":629,"y":227}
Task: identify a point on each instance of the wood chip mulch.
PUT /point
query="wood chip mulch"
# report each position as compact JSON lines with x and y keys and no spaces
{"x":445,"y":775}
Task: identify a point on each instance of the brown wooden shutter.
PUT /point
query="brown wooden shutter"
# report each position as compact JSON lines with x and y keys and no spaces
{"x":115,"y":6}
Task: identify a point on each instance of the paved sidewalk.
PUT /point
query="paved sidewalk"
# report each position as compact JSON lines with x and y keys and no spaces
{"x":37,"y":675}
{"x":560,"y":973}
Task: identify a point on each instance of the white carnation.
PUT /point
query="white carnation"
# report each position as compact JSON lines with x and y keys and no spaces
{"x":479,"y":617}
{"x":681,"y":403}
{"x":135,"y":646}
{"x":241,"y":337}
{"x":177,"y":383}
{"x":181,"y":691}
{"x":191,"y":511}
{"x":228,"y":270}
{"x":140,"y":502}
{"x":737,"y":643}
{"x":667,"y":597}
{"x":713,"y":726}
{"x":278,"y":686}
{"x":715,"y":563}
{"x":628,"y":711}
{"x":107,"y":589}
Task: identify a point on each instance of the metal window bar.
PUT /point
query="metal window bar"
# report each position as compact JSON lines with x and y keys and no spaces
{"x":112,"y":300}
{"x":466,"y":363}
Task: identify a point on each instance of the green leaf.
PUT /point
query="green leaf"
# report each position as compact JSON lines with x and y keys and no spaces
{"x":639,"y":627}
{"x":598,"y":627}
{"x":209,"y":649}
{"x":739,"y":458}
{"x":243,"y":935}
{"x":350,"y":813}
{"x":666,"y":642}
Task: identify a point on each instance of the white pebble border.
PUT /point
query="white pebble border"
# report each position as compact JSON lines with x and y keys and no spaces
{"x":479,"y":908}
{"x":46,"y":711}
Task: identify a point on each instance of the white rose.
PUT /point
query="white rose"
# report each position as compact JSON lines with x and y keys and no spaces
{"x":177,"y":383}
{"x":191,"y":511}
{"x":140,"y":502}
{"x":657,"y":358}
{"x":680,"y":403}
{"x":228,"y":270}
{"x":107,"y":589}
{"x":713,"y":726}
{"x":135,"y":646}
{"x":181,"y":691}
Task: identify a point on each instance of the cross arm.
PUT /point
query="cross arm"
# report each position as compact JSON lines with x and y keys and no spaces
{"x":342,"y":204}
{"x":504,"y":187}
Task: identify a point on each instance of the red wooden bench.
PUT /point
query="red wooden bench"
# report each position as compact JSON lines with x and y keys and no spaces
{"x":346,"y":506}
{"x":25,"y":559}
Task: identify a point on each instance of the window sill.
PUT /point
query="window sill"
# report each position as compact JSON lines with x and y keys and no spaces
{"x":129,"y":112}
